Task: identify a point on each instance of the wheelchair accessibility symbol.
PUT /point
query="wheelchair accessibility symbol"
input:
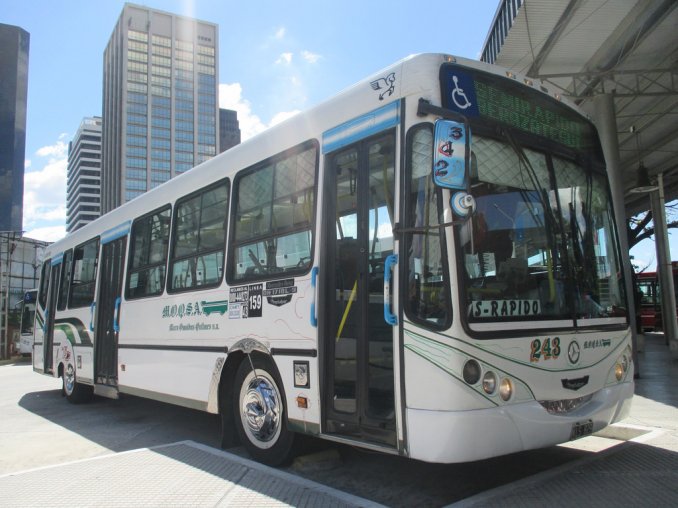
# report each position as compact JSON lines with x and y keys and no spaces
{"x":458,"y":96}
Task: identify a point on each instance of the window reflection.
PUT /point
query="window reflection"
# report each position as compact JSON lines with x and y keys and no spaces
{"x":538,"y":246}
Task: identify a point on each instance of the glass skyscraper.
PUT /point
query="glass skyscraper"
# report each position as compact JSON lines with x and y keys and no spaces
{"x":160,"y":107}
{"x":14,"y":44}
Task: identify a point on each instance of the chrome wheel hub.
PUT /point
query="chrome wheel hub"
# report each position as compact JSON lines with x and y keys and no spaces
{"x":260,"y":409}
{"x":69,"y":378}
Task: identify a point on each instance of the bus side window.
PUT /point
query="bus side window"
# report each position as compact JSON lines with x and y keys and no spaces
{"x":273,"y":226}
{"x":425,"y":300}
{"x":199,"y":239}
{"x":44,"y":283}
{"x":148,"y":254}
{"x":85,"y":259}
{"x":65,"y":282}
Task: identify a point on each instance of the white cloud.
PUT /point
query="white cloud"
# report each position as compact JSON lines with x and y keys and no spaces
{"x":310,"y":57}
{"x":230,"y":97}
{"x":47,"y":234}
{"x":45,"y":192}
{"x":58,"y":149}
{"x":280,"y":33}
{"x":284,"y":59}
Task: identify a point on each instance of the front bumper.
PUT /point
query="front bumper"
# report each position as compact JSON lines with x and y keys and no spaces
{"x":464,"y":436}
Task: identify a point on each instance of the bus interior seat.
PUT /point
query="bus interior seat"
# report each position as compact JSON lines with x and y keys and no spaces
{"x":347,"y":261}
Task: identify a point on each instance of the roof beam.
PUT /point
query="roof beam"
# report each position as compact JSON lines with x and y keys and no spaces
{"x":646,"y":83}
{"x":553,"y":39}
{"x":637,"y":25}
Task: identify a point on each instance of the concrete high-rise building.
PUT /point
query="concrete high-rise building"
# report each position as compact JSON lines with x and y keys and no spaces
{"x":14,"y":45}
{"x":229,"y":129}
{"x":160,"y":104}
{"x":83,"y":187}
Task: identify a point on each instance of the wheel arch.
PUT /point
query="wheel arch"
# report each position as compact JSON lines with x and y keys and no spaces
{"x":236,"y":355}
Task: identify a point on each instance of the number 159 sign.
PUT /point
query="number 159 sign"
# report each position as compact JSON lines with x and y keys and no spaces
{"x":254,"y":300}
{"x":245,"y":301}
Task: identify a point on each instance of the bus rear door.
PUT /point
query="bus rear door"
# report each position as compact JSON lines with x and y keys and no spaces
{"x":108,"y":314}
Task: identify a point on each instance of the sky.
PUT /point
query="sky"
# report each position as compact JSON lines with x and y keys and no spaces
{"x":275,"y":59}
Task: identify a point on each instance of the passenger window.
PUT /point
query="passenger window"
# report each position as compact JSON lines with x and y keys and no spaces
{"x":199,"y":239}
{"x":44,"y":283}
{"x":85,"y":259}
{"x":65,"y":280}
{"x":148,"y":255}
{"x":274,"y":222}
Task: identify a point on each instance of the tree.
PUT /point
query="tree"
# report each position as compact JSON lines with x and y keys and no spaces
{"x":641,"y":226}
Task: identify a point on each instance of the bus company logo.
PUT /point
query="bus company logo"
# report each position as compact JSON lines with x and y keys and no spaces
{"x":596,"y":343}
{"x":573,"y":352}
{"x":191,"y":309}
{"x":386,"y":84}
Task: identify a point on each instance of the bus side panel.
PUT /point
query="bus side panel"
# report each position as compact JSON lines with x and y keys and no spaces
{"x":79,"y":322}
{"x":171,"y":347}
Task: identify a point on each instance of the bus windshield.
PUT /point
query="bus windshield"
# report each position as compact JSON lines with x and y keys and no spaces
{"x":541,"y":243}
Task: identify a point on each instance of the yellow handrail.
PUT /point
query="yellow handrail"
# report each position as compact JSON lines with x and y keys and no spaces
{"x":351,"y":298}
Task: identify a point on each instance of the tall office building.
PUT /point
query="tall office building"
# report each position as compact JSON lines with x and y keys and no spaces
{"x":14,"y":44}
{"x":83,"y":186}
{"x":229,"y":129}
{"x":160,"y":107}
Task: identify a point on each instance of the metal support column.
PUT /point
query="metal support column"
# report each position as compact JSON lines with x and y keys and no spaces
{"x":606,"y":121}
{"x":668,"y":295}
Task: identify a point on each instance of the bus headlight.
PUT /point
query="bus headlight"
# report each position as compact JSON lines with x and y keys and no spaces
{"x":489,"y":382}
{"x":618,"y":371}
{"x":505,"y":389}
{"x":471,"y":372}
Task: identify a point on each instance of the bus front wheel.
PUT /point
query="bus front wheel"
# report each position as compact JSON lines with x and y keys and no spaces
{"x":260,"y":413}
{"x":74,"y":392}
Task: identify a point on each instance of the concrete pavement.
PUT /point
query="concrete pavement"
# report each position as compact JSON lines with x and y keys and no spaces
{"x":634,"y":463}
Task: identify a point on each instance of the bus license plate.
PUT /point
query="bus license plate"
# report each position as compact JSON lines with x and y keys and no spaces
{"x":581,"y":429}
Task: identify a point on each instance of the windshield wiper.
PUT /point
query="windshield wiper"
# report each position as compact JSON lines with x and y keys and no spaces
{"x":551,"y":223}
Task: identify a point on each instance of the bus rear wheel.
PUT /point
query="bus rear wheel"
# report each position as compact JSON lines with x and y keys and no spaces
{"x":260,"y":413}
{"x":74,"y":392}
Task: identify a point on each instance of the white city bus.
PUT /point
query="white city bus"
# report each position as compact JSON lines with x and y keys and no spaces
{"x":425,"y":265}
{"x":25,"y":345}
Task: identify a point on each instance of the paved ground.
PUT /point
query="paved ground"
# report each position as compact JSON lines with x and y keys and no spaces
{"x":134,"y":452}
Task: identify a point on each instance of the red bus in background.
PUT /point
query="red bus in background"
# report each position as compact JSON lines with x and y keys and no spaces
{"x":647,"y":284}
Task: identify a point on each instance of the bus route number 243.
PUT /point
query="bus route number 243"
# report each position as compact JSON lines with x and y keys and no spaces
{"x":548,"y":349}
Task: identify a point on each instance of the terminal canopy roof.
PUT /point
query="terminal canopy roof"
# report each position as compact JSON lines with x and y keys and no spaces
{"x":628,"y":48}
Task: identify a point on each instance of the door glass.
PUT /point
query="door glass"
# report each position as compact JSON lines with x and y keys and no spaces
{"x":347,"y":308}
{"x":381,"y":155}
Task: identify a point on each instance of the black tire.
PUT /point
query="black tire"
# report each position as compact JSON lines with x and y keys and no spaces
{"x":75,"y":393}
{"x":259,"y":412}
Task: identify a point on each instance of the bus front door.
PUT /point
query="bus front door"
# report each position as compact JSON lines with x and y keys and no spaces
{"x":358,"y":342}
{"x":48,"y":340}
{"x":108,"y":312}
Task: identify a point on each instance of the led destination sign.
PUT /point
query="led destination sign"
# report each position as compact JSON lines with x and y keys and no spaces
{"x":476,"y":94}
